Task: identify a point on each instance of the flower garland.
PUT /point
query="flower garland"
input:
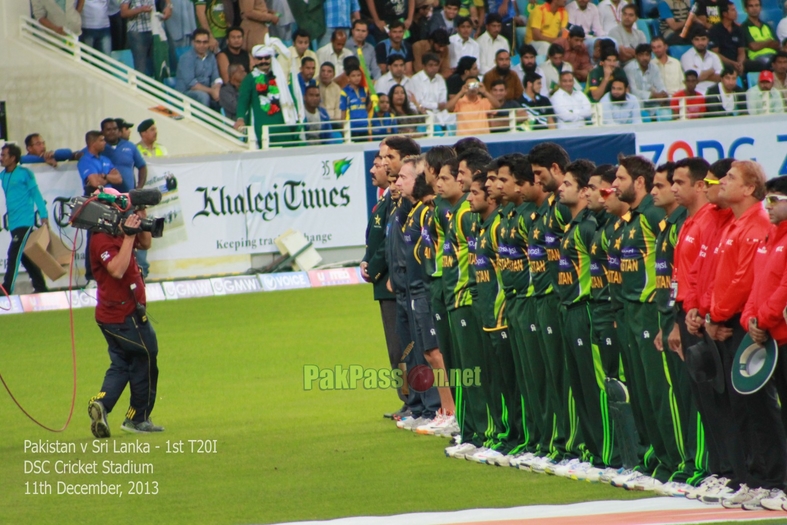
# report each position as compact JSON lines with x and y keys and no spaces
{"x":268,"y":92}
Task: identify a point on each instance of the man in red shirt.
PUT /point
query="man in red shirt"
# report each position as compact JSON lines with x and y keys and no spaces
{"x":693,"y":99}
{"x":133,"y":347}
{"x":755,"y":417}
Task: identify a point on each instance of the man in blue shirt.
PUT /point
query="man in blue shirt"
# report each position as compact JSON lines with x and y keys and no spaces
{"x":198,"y":72}
{"x":354,"y":103}
{"x":124,"y":156}
{"x":22,"y":198}
{"x":306,"y":76}
{"x":96,"y":170}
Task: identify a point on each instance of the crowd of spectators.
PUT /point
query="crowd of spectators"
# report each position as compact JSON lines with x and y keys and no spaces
{"x":387,"y":66}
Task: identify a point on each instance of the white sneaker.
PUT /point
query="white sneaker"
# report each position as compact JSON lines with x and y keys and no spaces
{"x":775,"y":500}
{"x":563,"y":470}
{"x":596,"y":475}
{"x":737,"y":499}
{"x":757,"y":495}
{"x":487,"y":456}
{"x":707,"y":483}
{"x":429,"y":428}
{"x":476,"y":456}
{"x":504,"y":460}
{"x":447,"y":427}
{"x":403,"y":421}
{"x":641,"y":482}
{"x":523,"y":459}
{"x":716,"y":493}
{"x":464,"y":448}
{"x":551,"y":467}
{"x":673,"y":489}
{"x":538,"y":465}
{"x":623,"y":477}
{"x":412,"y":424}
{"x":580,"y":472}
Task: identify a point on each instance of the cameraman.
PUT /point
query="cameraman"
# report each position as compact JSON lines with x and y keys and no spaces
{"x":120,"y":314}
{"x":22,"y":198}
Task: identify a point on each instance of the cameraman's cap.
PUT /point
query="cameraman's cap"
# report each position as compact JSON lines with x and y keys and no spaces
{"x":123,"y":124}
{"x":577,"y":31}
{"x":145,"y":125}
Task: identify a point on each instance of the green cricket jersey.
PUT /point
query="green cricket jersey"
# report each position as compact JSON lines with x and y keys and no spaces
{"x":573,"y":278}
{"x":437,"y":233}
{"x":599,"y":264}
{"x":375,"y":247}
{"x":512,"y":249}
{"x":543,"y":242}
{"x":666,"y":240}
{"x":456,"y":254}
{"x":614,"y":277}
{"x":638,"y":252}
{"x":489,"y":296}
{"x":417,"y":251}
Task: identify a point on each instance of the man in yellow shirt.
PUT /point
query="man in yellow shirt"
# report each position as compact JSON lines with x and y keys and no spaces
{"x":148,"y":146}
{"x":546,"y":24}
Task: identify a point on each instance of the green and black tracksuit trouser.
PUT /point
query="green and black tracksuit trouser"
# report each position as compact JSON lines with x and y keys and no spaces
{"x":468,"y":356}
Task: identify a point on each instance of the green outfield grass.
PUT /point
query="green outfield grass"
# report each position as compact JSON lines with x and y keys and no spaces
{"x":232,"y":371}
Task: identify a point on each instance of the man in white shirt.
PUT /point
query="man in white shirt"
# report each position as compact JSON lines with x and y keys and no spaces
{"x":585,"y":13}
{"x":394,"y":76}
{"x":763,"y":99}
{"x":644,"y":78}
{"x":706,"y":63}
{"x":491,"y":42}
{"x":627,"y":35}
{"x":611,"y":13}
{"x":552,"y":69}
{"x":429,"y":89}
{"x":461,"y":43}
{"x":619,"y":107}
{"x":571,"y":106}
{"x":670,"y":70}
{"x":335,"y":52}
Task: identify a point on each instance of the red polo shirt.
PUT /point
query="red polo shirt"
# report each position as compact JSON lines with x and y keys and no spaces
{"x":735,"y":267}
{"x":688,"y":247}
{"x":703,"y":269}
{"x":115,"y":298}
{"x":769,"y":294}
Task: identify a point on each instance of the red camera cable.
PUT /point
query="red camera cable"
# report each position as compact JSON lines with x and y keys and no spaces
{"x":73,"y":354}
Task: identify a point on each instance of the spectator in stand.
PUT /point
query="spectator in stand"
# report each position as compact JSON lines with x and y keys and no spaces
{"x":553,"y":68}
{"x":708,"y":13}
{"x":611,"y":13}
{"x":706,"y":63}
{"x":330,"y":92}
{"x":335,"y":51}
{"x":446,"y":17}
{"x":387,"y":13}
{"x":347,"y":64}
{"x":139,"y":32}
{"x":670,"y":70}
{"x":179,"y":28}
{"x":490,"y":42}
{"x":726,"y":99}
{"x":124,"y":156}
{"x":571,"y":106}
{"x":760,"y":40}
{"x":462,"y":45}
{"x":600,"y":45}
{"x":384,"y":121}
{"x":501,"y":120}
{"x":429,"y":92}
{"x":576,"y":53}
{"x":547,"y":23}
{"x":527,"y":62}
{"x":693,"y":100}
{"x":438,"y":44}
{"x":419,"y":29}
{"x":467,"y":68}
{"x":233,"y":53}
{"x":228,"y":94}
{"x":585,"y":14}
{"x":214,"y":17}
{"x":299,"y":50}
{"x":395,"y":45}
{"x":502,"y":71}
{"x":507,"y":11}
{"x":339,"y":15}
{"x":61,"y":17}
{"x":779,"y":64}
{"x":95,"y":25}
{"x":317,"y":129}
{"x":762,"y":99}
{"x":198,"y":74}
{"x":401,"y":107}
{"x":728,"y":39}
{"x":473,"y":107}
{"x":37,"y":152}
{"x":620,"y":107}
{"x":148,"y":144}
{"x":627,"y":35}
{"x":600,"y":77}
{"x":355,"y":103}
{"x":394,"y":76}
{"x":306,"y":75}
{"x":359,"y":32}
{"x":536,"y":108}
{"x":117,"y":25}
{"x":644,"y":79}
{"x":255,"y":18}
{"x":673,"y":15}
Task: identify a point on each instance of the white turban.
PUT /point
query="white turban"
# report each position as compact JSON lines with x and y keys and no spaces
{"x":260,"y":51}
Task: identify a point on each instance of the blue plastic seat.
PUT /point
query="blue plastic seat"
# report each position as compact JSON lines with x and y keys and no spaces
{"x":677,"y":51}
{"x":648,"y":8}
{"x":644,"y":25}
{"x":753,"y":78}
{"x":124,"y":56}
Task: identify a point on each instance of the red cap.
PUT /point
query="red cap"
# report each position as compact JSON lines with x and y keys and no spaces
{"x":766,"y":76}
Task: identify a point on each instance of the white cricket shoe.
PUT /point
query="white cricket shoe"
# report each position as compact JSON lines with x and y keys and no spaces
{"x":775,"y":501}
{"x":623,"y":477}
{"x":707,"y":483}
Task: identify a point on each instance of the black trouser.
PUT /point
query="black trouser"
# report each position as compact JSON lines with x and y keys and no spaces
{"x":388,"y":313}
{"x":757,"y":419}
{"x":420,"y":403}
{"x":117,"y":28}
{"x":15,"y":256}
{"x":133,"y":351}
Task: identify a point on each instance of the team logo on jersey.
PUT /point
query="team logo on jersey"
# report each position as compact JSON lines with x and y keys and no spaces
{"x":580,"y":343}
{"x":463,"y":322}
{"x":549,"y":330}
{"x":437,"y":317}
{"x":532,"y":328}
{"x":646,"y":335}
{"x":608,"y":341}
{"x":105,"y":256}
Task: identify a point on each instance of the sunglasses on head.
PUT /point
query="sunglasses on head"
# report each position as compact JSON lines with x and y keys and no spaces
{"x":606,"y":192}
{"x":711,"y":182}
{"x":773,"y":199}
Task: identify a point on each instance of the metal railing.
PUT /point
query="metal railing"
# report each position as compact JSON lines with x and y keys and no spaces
{"x":113,"y":70}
